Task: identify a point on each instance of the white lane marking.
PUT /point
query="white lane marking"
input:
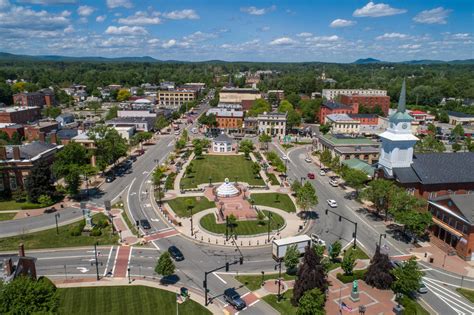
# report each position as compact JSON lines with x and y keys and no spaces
{"x":245,"y":294}
{"x":156,"y":245}
{"x":444,"y":273}
{"x":65,"y":257}
{"x":442,"y":282}
{"x":155,"y":220}
{"x":82,"y":269}
{"x":439,"y":290}
{"x":165,"y":229}
{"x":108,"y":261}
{"x":128,"y":262}
{"x":217,"y":276}
{"x":115,"y":260}
{"x":118,"y":195}
{"x":253,"y":303}
{"x":128,"y":200}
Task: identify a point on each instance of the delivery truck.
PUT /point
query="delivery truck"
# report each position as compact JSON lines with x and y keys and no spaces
{"x":280,"y":246}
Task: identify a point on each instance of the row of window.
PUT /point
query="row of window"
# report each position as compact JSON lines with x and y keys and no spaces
{"x":458,"y":225}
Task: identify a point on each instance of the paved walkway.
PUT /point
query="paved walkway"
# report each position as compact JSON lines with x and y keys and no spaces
{"x":121,"y":263}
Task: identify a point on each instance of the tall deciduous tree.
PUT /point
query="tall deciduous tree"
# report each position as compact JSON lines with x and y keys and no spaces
{"x":355,"y":178}
{"x":312,"y":303}
{"x":306,"y":196}
{"x":310,"y":274}
{"x":379,"y":192}
{"x":348,"y":262}
{"x":259,"y":106}
{"x":264,"y":138}
{"x":68,"y":164}
{"x":123,"y":95}
{"x":407,"y":277}
{"x":378,"y":274}
{"x":39,"y":181}
{"x":110,"y":146}
{"x":336,"y":248}
{"x":165,"y":265}
{"x":292,"y":257}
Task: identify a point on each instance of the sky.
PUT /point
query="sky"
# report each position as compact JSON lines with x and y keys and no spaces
{"x":286,"y":31}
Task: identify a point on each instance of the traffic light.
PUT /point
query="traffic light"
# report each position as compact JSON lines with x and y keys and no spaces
{"x":138,"y":223}
{"x":327,"y":211}
{"x":340,"y":219}
{"x":204,"y":284}
{"x":241,"y":260}
{"x":226,"y":266}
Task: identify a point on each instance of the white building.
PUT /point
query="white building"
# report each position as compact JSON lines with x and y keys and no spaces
{"x":331,"y":94}
{"x":222,"y":144}
{"x":273,"y":124}
{"x":125,"y":132}
{"x":398,"y":141}
{"x":343,"y":123}
{"x":135,"y":113}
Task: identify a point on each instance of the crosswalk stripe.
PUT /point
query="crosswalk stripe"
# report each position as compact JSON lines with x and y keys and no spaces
{"x":448,"y":297}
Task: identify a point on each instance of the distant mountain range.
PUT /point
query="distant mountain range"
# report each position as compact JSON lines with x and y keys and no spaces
{"x":56,"y":58}
{"x":414,"y":62}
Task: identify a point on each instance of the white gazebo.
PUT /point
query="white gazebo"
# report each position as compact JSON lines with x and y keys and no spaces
{"x":227,"y":189}
{"x":222,"y":144}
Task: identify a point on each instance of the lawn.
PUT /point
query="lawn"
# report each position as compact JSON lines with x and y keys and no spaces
{"x":253,"y":282}
{"x":284,"y":306}
{"x":179,"y":205}
{"x":412,"y":307}
{"x":220,"y":167}
{"x":13,"y":205}
{"x":6,"y":216}
{"x":49,"y":238}
{"x":468,"y":294}
{"x":358,"y":253}
{"x":252,"y":227}
{"x":273,"y":179}
{"x":124,"y":300}
{"x":283,"y":202}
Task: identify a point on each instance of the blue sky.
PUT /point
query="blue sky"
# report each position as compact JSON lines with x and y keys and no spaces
{"x":334,"y":31}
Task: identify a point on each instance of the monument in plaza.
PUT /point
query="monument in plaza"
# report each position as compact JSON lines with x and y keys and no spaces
{"x":227,"y":189}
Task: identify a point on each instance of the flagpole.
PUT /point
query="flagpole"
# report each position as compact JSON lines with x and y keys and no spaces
{"x":340,"y":301}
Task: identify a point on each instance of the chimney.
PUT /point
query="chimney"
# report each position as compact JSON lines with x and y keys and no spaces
{"x":8,"y":266}
{"x":53,"y":138}
{"x":41,"y":137}
{"x":3,"y":153}
{"x":16,"y":153}
{"x":21,"y":250}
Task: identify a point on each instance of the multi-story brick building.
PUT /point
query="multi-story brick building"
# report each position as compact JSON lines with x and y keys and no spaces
{"x":227,"y":118}
{"x":176,"y":97}
{"x":19,"y":115}
{"x":366,"y":119}
{"x":368,"y":101}
{"x":10,"y":129}
{"x":332,"y":107}
{"x":40,"y":129}
{"x":44,"y":97}
{"x":331,"y":94}
{"x":237,"y":95}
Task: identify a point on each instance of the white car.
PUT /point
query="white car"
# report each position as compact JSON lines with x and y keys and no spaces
{"x":317,"y":240}
{"x":308,"y":160}
{"x":334,"y":183}
{"x":332,"y":203}
{"x":176,"y":132}
{"x":284,"y":157}
{"x":322,"y":173}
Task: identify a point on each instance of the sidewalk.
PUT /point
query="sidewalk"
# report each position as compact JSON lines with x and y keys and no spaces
{"x":195,"y":296}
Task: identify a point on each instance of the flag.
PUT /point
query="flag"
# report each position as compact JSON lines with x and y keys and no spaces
{"x":345,"y":307}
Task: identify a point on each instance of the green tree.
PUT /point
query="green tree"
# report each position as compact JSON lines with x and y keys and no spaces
{"x":141,"y":137}
{"x":292,"y":258}
{"x":324,"y":128}
{"x":264,"y":138}
{"x":28,"y":296}
{"x":336,"y":248}
{"x":165,"y":265}
{"x":293,"y":119}
{"x":4,"y":138}
{"x":109,"y":145}
{"x":457,"y":132}
{"x":198,"y":150}
{"x":259,"y":106}
{"x":256,"y":168}
{"x":45,"y":200}
{"x":208,"y":120}
{"x":348,"y":262}
{"x":94,"y":106}
{"x":468,"y":144}
{"x":306,"y":196}
{"x":355,"y":178}
{"x":52,"y":112}
{"x":326,"y":157}
{"x":432,"y":129}
{"x":16,"y":138}
{"x":319,"y":250}
{"x":246,"y":144}
{"x":293,"y":98}
{"x":112,"y":113}
{"x":407,"y":277}
{"x":123,"y":95}
{"x":295,"y":186}
{"x":379,"y":193}
{"x":378,"y":274}
{"x":158,"y":175}
{"x":161,"y":123}
{"x":39,"y":181}
{"x":69,"y":163}
{"x":456,"y":147}
{"x":429,"y":144}
{"x":443,"y":117}
{"x":285,"y":107}
{"x":312,"y":303}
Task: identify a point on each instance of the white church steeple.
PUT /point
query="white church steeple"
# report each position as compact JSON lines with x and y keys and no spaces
{"x":397,"y":141}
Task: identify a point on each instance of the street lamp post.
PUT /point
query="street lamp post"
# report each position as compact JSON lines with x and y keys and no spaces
{"x":191,"y":209}
{"x":120,"y":235}
{"x":56,"y":217}
{"x":269,"y":224}
{"x":380,"y":238}
{"x":263,"y":278}
{"x":128,"y":271}
{"x":279,"y":281}
{"x":302,"y":179}
{"x":210,"y":181}
{"x":96,"y":261}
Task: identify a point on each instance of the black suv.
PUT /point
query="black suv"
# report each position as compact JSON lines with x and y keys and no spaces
{"x":234,"y":299}
{"x":175,"y":253}
{"x":145,"y":224}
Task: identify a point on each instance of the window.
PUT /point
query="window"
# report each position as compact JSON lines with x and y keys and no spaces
{"x":464,"y":229}
{"x":13,"y":185}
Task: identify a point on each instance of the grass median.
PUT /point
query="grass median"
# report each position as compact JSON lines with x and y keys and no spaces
{"x":284,"y":306}
{"x":180,"y":208}
{"x":118,"y":300}
{"x":274,"y":200}
{"x":51,"y":239}
{"x":248,"y":227}
{"x":7,"y":216}
{"x":253,"y":282}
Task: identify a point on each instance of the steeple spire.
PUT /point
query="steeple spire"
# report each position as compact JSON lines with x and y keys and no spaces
{"x":402,"y":99}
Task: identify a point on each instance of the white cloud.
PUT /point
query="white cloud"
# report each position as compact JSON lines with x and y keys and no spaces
{"x":85,"y":10}
{"x":4,"y":4}
{"x":304,"y":34}
{"x":410,"y":46}
{"x":126,"y":30}
{"x":170,"y":43}
{"x":199,"y":37}
{"x":100,"y":18}
{"x":28,"y":19}
{"x":112,"y":4}
{"x":331,"y":38}
{"x":153,"y":41}
{"x":461,"y":36}
{"x":392,"y":36}
{"x":282,"y":41}
{"x":69,"y":29}
{"x":377,"y":10}
{"x":141,"y":18}
{"x":182,"y":15}
{"x":342,"y":23}
{"x":46,"y":2}
{"x":434,"y":16}
{"x":264,"y":28}
{"x":257,"y":11}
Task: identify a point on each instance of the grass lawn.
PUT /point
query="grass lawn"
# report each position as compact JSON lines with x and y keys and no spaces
{"x":13,"y":205}
{"x":358,"y":253}
{"x":284,"y":306}
{"x":6,"y":216}
{"x":49,"y":238}
{"x":468,"y":294}
{"x":412,"y":307}
{"x":273,"y":179}
{"x":270,"y":200}
{"x":124,"y":300}
{"x":220,"y":167}
{"x":253,"y":282}
{"x":252,"y":227}
{"x":179,"y":205}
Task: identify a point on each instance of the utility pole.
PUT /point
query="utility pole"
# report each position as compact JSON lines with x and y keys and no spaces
{"x":380,"y":238}
{"x":269,"y":224}
{"x":279,"y":280}
{"x":96,"y":262}
{"x":57,"y":216}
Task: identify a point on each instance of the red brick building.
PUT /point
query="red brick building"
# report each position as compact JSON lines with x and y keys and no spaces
{"x":368,"y":101}
{"x":19,"y":115}
{"x":10,"y":129}
{"x":39,"y":130}
{"x":366,"y":119}
{"x":41,"y":98}
{"x":332,"y":107}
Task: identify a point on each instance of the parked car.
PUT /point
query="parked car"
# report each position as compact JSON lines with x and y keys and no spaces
{"x":332,"y":203}
{"x":110,"y":178}
{"x":422,"y":289}
{"x":133,"y":158}
{"x":176,"y":132}
{"x":308,"y":160}
{"x":50,"y":210}
{"x":175,"y":253}
{"x":333,"y":183}
{"x":284,"y":157}
{"x":233,"y":298}
{"x":145,"y":224}
{"x":322,"y":173}
{"x":317,"y":240}
{"x":311,"y":175}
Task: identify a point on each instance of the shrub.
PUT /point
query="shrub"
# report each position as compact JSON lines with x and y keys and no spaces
{"x":96,"y":232}
{"x":356,"y":275}
{"x":45,"y":200}
{"x":77,"y":230}
{"x":102,"y":223}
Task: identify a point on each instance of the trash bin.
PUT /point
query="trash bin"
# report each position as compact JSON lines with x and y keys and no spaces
{"x":431,"y":260}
